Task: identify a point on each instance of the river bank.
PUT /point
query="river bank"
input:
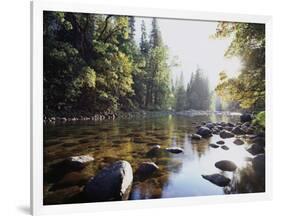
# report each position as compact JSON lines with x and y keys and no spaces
{"x":133,"y":115}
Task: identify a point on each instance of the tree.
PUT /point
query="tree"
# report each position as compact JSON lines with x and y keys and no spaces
{"x":198,"y":93}
{"x":248,"y":42}
{"x":180,"y":94}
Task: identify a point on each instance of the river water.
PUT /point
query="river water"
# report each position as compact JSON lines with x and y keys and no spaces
{"x":179,"y":174}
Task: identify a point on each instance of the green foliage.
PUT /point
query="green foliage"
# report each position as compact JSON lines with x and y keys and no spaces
{"x":196,"y":96}
{"x":249,"y":44}
{"x":260,"y":119}
{"x":92,"y":64}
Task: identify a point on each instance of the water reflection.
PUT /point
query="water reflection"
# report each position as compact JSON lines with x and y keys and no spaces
{"x":179,"y":174}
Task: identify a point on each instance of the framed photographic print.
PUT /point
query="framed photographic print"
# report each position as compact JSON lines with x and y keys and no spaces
{"x":140,"y":107}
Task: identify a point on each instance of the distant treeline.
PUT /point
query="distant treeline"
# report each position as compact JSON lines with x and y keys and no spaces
{"x":196,"y":95}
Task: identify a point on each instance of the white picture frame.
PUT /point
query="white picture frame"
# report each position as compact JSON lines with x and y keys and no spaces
{"x":37,"y":8}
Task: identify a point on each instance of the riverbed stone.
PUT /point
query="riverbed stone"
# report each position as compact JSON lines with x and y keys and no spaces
{"x":259,"y":164}
{"x":259,"y":140}
{"x":175,"y":150}
{"x":226,"y":134}
{"x":111,"y":183}
{"x":255,"y":149}
{"x":209,"y":125}
{"x":226,"y":165}
{"x":220,"y":142}
{"x":238,"y":141}
{"x":246,"y":117}
{"x":217,"y":179}
{"x":73,"y":163}
{"x":196,"y":136}
{"x":238,"y":131}
{"x":146,"y":169}
{"x":204,"y":132}
{"x":213,"y":145}
{"x":224,"y":147}
{"x":157,"y":151}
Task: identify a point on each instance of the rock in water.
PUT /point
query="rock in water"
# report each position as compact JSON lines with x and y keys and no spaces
{"x":226,"y":165}
{"x":213,"y":145}
{"x":256,"y":149}
{"x":204,"y":132}
{"x":217,"y":179}
{"x":226,"y":134}
{"x":224,"y":147}
{"x":238,"y":142}
{"x":156,"y":151}
{"x":245,"y":118}
{"x":238,"y":131}
{"x":175,"y":150}
{"x":221,"y":142}
{"x":259,"y":140}
{"x":146,"y":169}
{"x":111,"y":183}
{"x":196,"y":136}
{"x":73,"y":163}
{"x":209,"y":125}
{"x":259,"y":164}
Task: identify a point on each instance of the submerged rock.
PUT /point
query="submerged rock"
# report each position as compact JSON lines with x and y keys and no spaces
{"x":156,"y":151}
{"x":221,"y":142}
{"x":111,"y":183}
{"x":213,"y":145}
{"x":217,"y":179}
{"x":73,"y":163}
{"x":196,"y":136}
{"x":146,"y":168}
{"x":259,"y":164}
{"x":175,"y":150}
{"x":204,"y":132}
{"x":255,"y":149}
{"x":224,"y":147}
{"x":259,"y":140}
{"x":245,"y":118}
{"x":238,"y":142}
{"x":210,"y":125}
{"x":226,"y":134}
{"x":238,"y":131}
{"x":226,"y":165}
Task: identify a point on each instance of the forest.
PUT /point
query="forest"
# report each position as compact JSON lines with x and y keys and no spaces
{"x":93,"y":64}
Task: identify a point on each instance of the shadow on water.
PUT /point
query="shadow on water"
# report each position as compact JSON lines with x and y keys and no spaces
{"x":179,"y":175}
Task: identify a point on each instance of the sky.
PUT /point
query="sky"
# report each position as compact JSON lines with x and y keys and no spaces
{"x":190,"y":41}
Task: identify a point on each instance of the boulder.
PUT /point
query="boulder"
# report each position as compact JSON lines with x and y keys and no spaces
{"x":259,"y":140}
{"x":230,"y":124}
{"x":226,"y":134}
{"x":217,"y":179}
{"x":196,"y":136}
{"x":238,"y":141}
{"x":259,"y":164}
{"x":224,"y":147}
{"x":111,"y":183}
{"x":238,"y":131}
{"x":213,"y":145}
{"x":204,"y":132}
{"x":255,"y":149}
{"x":220,"y":142}
{"x":155,"y":151}
{"x":228,"y":128}
{"x":146,"y":169}
{"x":246,"y":117}
{"x":73,"y":163}
{"x":175,"y":150}
{"x":209,"y":125}
{"x":226,"y":165}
